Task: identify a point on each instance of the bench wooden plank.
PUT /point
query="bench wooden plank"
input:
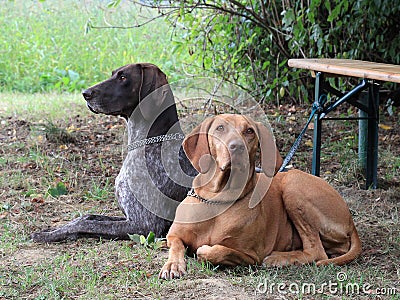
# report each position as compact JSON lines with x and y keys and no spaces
{"x":349,"y":67}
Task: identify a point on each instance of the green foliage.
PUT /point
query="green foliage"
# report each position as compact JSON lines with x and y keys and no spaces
{"x":149,"y":242}
{"x":68,"y":45}
{"x":345,"y":29}
{"x":58,"y":45}
{"x":249,"y":42}
{"x":99,"y":191}
{"x":58,"y":190}
{"x":61,"y":80}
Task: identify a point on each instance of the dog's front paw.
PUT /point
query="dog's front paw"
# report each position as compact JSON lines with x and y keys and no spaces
{"x":173,"y":270}
{"x":282,"y":259}
{"x":53,"y":235}
{"x":279,"y":259}
{"x":271,"y":261}
{"x":45,"y":236}
{"x":203,"y":253}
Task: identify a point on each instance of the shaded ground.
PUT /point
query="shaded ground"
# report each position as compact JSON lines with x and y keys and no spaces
{"x":84,"y":153}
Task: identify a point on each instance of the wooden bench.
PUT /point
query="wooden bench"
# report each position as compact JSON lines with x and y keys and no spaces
{"x":371,"y":74}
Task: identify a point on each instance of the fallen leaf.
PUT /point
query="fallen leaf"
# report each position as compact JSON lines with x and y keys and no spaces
{"x":282,"y":92}
{"x":384,"y":127}
{"x":309,"y":143}
{"x":349,"y":137}
{"x":72,"y":128}
{"x":37,"y":199}
{"x":3,"y":215}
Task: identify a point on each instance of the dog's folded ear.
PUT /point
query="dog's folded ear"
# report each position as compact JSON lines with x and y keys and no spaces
{"x":154,"y":91}
{"x":196,"y":146}
{"x":271,"y":159}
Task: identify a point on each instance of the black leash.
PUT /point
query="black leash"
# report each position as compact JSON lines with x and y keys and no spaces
{"x":318,"y":106}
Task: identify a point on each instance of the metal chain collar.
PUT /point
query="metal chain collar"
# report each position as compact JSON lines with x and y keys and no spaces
{"x":192,"y":193}
{"x":156,"y":139}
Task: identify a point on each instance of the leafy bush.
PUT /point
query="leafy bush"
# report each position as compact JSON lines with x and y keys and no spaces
{"x":61,"y":80}
{"x":53,"y":45}
{"x":249,"y":42}
{"x":68,"y":45}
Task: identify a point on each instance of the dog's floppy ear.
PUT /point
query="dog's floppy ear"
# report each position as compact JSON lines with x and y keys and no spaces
{"x":197,"y":148}
{"x":271,"y":159}
{"x":153,"y":92}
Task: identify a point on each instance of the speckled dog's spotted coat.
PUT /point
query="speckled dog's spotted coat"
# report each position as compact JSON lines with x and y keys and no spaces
{"x":154,"y":178}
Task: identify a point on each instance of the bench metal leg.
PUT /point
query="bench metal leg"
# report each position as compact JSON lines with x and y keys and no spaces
{"x":370,"y":115}
{"x":372,"y":147}
{"x":363,"y":132}
{"x":316,"y":159}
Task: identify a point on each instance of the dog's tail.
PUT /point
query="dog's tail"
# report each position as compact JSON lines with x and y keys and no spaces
{"x":354,"y":251}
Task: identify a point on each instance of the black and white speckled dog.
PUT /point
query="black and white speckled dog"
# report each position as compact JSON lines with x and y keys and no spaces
{"x":155,"y":175}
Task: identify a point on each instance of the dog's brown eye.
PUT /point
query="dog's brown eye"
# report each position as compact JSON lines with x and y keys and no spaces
{"x":122,"y":77}
{"x":250,"y":131}
{"x":220,"y":128}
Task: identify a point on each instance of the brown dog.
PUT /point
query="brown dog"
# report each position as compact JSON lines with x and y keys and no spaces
{"x":235,"y":216}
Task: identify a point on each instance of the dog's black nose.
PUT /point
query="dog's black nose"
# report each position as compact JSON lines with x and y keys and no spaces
{"x":88,"y":94}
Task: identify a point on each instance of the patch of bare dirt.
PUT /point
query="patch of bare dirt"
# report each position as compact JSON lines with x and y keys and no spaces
{"x":86,"y":152}
{"x":33,"y":256}
{"x":208,"y":288}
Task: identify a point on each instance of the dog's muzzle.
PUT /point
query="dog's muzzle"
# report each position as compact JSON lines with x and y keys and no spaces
{"x":91,"y":109}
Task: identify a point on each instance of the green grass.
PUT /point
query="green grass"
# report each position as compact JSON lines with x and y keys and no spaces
{"x":41,"y":107}
{"x":100,"y":191}
{"x":91,"y":269}
{"x":45,"y":45}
